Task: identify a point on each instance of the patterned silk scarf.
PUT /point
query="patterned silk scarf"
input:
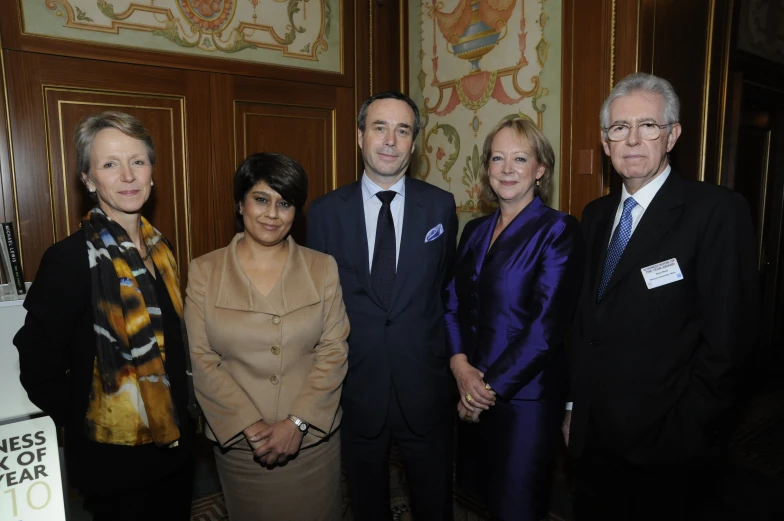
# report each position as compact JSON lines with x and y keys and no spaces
{"x":130,"y":401}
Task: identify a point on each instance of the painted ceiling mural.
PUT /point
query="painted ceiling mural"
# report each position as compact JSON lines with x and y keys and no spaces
{"x":296,"y":33}
{"x":474,"y":63}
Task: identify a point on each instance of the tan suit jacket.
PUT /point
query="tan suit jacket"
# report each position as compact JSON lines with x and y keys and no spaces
{"x":264,"y":357}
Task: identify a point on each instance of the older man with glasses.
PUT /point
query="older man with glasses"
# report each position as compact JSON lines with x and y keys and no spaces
{"x":666,"y":317}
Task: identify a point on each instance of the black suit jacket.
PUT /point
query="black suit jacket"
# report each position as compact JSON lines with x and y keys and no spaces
{"x":405,"y":345}
{"x":654,"y":371}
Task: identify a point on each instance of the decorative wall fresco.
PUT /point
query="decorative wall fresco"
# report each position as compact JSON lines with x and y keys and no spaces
{"x":762,"y":28}
{"x":472,"y":63}
{"x":295,"y":33}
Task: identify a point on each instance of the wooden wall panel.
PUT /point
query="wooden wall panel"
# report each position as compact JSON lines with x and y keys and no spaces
{"x":6,"y":191}
{"x":689,"y":44}
{"x":586,"y":72}
{"x":626,"y":45}
{"x":389,"y":45}
{"x":307,"y":122}
{"x":721,"y":115}
{"x":46,"y":100}
{"x":363,"y":56}
{"x":263,"y":127}
{"x":682,"y":61}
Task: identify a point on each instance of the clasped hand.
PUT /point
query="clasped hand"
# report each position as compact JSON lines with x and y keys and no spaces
{"x":475,"y":397}
{"x":273,"y":444}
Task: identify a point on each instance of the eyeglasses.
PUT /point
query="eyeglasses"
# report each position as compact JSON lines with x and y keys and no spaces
{"x":648,"y":130}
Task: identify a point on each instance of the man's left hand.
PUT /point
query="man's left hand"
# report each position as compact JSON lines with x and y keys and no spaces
{"x":282,"y":441}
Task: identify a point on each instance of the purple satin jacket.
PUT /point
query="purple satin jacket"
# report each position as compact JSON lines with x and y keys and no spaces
{"x":508,"y":306}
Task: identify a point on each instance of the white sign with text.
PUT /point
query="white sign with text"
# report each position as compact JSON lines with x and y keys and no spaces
{"x":30,"y":483}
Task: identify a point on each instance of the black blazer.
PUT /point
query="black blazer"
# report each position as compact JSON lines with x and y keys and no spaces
{"x":56,"y":359}
{"x":654,"y":371}
{"x":405,"y":345}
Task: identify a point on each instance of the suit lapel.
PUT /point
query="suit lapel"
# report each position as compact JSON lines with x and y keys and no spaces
{"x":297,"y":289}
{"x":657,"y":220}
{"x":509,"y":239}
{"x":353,"y":225}
{"x":411,"y":241}
{"x":236,"y":291}
{"x":482,"y":236}
{"x":598,"y":252}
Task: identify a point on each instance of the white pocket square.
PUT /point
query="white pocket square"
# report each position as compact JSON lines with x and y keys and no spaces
{"x":434,"y":233}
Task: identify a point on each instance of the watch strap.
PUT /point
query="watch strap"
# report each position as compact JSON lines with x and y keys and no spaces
{"x":298,"y":422}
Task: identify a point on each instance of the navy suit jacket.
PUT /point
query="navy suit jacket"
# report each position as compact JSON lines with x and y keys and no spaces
{"x":402,"y":346}
{"x":654,"y":371}
{"x":509,"y":305}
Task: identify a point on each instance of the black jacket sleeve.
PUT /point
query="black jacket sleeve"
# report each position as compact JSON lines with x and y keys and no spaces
{"x":56,"y":306}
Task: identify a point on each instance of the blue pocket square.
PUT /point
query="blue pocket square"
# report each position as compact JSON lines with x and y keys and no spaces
{"x":434,"y":233}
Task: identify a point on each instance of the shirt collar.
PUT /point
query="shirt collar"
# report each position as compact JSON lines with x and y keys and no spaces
{"x":370,"y":189}
{"x":645,"y":195}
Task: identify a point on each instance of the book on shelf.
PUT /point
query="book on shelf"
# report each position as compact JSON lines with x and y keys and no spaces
{"x":6,"y":283}
{"x":11,"y":260}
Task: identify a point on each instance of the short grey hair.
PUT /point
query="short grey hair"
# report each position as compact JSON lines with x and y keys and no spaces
{"x":90,"y":126}
{"x":641,"y":81}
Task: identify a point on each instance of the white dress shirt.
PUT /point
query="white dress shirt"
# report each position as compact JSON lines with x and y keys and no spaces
{"x":372,"y":206}
{"x":644,"y":196}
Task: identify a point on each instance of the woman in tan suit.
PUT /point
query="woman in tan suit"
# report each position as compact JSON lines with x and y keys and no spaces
{"x":267,"y":329}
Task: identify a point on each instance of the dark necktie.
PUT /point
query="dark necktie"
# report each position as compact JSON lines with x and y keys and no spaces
{"x":620,"y":239}
{"x":382,"y":272}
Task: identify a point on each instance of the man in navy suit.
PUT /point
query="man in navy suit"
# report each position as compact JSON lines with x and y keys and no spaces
{"x":393,"y":238}
{"x":666,"y":318}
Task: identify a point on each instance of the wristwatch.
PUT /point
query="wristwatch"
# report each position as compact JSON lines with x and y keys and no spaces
{"x":301,"y":424}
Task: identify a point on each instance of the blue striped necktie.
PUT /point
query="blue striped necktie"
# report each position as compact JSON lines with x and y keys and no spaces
{"x":620,"y":239}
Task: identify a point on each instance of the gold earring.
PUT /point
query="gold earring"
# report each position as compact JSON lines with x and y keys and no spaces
{"x":537,"y":183}
{"x":152,"y":183}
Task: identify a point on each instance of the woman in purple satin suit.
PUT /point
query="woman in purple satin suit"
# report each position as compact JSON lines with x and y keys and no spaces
{"x":516,"y":279}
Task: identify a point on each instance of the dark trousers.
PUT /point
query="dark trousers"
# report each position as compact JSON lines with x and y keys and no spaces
{"x":165,"y":499}
{"x":609,"y":489}
{"x":427,"y":460}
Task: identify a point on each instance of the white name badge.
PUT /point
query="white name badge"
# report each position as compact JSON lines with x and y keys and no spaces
{"x":662,"y":273}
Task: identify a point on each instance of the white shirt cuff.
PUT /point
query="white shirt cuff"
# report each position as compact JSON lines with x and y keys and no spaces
{"x":569,"y":406}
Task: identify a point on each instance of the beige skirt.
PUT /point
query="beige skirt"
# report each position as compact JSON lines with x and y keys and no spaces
{"x":306,"y":488}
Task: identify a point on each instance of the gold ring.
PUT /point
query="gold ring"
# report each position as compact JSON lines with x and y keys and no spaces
{"x":468,"y":398}
{"x":487,"y":386}
{"x":467,"y":417}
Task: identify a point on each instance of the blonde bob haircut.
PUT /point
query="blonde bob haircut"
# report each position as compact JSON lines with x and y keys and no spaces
{"x":542,"y":150}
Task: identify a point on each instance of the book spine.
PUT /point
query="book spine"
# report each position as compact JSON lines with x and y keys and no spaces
{"x":10,"y":287}
{"x":16,"y":273}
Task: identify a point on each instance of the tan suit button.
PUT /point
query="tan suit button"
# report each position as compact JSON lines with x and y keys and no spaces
{"x":276,"y":321}
{"x":274,"y":379}
{"x":275,"y":350}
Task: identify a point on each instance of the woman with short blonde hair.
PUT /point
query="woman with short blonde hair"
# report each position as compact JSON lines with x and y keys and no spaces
{"x":103,"y":350}
{"x":516,"y":278}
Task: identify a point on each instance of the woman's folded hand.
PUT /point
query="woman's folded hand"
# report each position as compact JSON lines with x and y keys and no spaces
{"x":279,"y":442}
{"x":474,"y":394}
